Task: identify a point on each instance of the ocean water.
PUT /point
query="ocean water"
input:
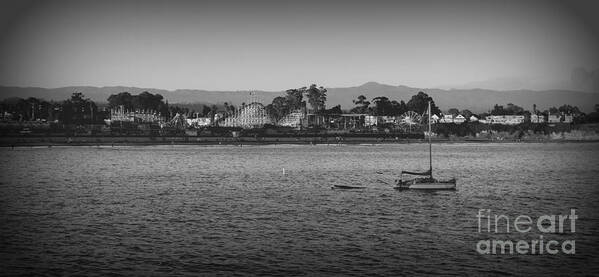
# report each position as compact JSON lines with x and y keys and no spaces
{"x":270,"y":210}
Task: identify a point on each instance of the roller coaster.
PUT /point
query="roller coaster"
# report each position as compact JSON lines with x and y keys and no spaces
{"x":253,"y":115}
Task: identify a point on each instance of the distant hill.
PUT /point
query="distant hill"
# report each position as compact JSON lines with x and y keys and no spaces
{"x":476,"y":100}
{"x":101,"y":94}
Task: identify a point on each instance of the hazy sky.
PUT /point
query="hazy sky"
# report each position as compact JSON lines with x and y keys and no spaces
{"x":276,"y":45}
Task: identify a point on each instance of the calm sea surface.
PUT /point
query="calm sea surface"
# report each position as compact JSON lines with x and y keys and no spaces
{"x":254,"y":210}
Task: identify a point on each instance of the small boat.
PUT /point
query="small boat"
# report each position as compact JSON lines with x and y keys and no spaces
{"x":428,"y":182}
{"x":346,"y":187}
{"x":425,"y":183}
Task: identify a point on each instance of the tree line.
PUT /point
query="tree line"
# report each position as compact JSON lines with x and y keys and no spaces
{"x":81,"y":110}
{"x":75,"y":110}
{"x":294,"y":100}
{"x":316,"y":98}
{"x":382,"y":106}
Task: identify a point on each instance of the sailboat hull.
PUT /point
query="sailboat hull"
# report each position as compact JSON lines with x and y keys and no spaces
{"x":429,"y":186}
{"x":436,"y":185}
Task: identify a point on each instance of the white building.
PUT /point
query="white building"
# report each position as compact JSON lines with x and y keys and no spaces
{"x":473,"y":118}
{"x":448,"y":118}
{"x":370,"y":120}
{"x":505,"y":119}
{"x":554,"y":118}
{"x":199,"y":122}
{"x":144,"y":116}
{"x":535,"y":118}
{"x":387,"y":119}
{"x":459,"y":119}
{"x":568,"y":119}
{"x":496,"y":119}
{"x":515,"y":119}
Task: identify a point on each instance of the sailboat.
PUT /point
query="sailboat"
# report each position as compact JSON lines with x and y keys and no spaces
{"x":427,"y":182}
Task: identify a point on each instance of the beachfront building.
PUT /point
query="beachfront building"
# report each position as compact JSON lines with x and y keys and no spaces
{"x":388,"y":120}
{"x":370,"y":120}
{"x":505,"y":119}
{"x":139,"y":116}
{"x":375,"y":120}
{"x":459,"y":119}
{"x":199,"y":122}
{"x":554,"y":118}
{"x":496,"y":119}
{"x":568,"y":119}
{"x":515,"y":119}
{"x":557,"y":118}
{"x":342,"y":121}
{"x":537,"y":118}
{"x":448,"y":118}
{"x":351,"y":121}
{"x":473,"y":118}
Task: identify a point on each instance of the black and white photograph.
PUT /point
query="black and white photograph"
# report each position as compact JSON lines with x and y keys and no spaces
{"x":299,"y":138}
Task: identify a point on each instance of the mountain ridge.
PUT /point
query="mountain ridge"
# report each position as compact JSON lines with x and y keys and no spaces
{"x":476,"y":100}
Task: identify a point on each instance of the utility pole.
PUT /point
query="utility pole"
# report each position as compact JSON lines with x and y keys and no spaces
{"x":430,"y":146}
{"x":91,"y":111}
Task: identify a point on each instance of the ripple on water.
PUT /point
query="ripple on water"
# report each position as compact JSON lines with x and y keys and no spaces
{"x":190,"y":210}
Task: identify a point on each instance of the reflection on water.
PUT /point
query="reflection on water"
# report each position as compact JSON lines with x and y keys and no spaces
{"x":224,"y":209}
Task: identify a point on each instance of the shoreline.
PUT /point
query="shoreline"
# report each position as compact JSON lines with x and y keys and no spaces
{"x":208,"y":141}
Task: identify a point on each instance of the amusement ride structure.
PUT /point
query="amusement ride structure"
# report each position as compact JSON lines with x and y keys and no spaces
{"x":249,"y":116}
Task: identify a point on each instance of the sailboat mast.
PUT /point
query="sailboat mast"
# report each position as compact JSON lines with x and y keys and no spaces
{"x":430,"y":146}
